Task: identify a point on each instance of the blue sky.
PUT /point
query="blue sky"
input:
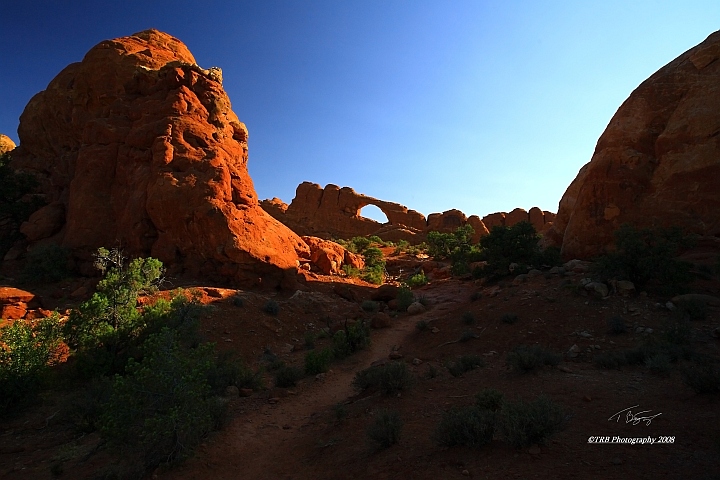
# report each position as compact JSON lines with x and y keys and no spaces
{"x":482,"y":106}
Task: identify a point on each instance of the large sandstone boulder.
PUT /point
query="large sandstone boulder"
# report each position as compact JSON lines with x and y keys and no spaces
{"x":6,"y":144}
{"x":656,"y":164}
{"x":137,"y":146}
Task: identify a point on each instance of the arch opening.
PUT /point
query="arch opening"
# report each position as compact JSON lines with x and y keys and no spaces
{"x":374,"y":213}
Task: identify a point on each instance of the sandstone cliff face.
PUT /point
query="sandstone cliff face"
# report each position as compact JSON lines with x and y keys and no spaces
{"x":137,"y":146}
{"x":6,"y":144}
{"x":334,"y":212}
{"x":658,"y":161}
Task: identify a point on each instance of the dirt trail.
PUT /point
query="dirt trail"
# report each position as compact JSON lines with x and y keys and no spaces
{"x":252,"y":445}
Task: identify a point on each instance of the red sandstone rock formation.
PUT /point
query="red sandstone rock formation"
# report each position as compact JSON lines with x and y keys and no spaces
{"x":137,"y":146}
{"x":334,"y":212}
{"x":6,"y":144}
{"x":656,"y":164}
{"x":329,"y":257}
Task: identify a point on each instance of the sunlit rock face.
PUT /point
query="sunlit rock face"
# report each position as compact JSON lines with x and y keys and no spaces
{"x":137,"y":146}
{"x":656,"y":164}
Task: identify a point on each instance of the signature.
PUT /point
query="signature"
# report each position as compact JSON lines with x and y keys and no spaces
{"x":635,"y":418}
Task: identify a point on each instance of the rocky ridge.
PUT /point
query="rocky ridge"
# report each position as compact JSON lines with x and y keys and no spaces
{"x":334,"y":212}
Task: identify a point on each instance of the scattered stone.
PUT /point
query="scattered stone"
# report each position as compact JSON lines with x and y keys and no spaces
{"x":670,"y":306}
{"x":534,"y":272}
{"x":587,"y":398}
{"x":648,"y":331}
{"x":273,"y":400}
{"x":416,"y":308}
{"x":625,"y":287}
{"x":565,"y":369}
{"x":385,"y":293}
{"x":232,"y":391}
{"x":597,"y":347}
{"x":14,"y":295}
{"x":573,"y":352}
{"x":320,"y":377}
{"x":697,"y":297}
{"x":522,"y":278}
{"x":585,"y":334}
{"x":639,"y":329}
{"x":435,"y":330}
{"x":599,"y":289}
{"x":416,"y":361}
{"x":395,"y":355}
{"x":465,"y":473}
{"x":380,"y":320}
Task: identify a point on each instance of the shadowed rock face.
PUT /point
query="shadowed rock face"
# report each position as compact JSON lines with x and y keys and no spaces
{"x":137,"y":146}
{"x":335,"y":212}
{"x":656,"y":164}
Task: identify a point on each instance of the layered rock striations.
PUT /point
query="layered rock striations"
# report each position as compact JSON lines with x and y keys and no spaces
{"x":334,"y":212}
{"x":137,"y":146}
{"x":656,"y":164}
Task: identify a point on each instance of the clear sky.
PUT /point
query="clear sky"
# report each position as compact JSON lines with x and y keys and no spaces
{"x":482,"y":106}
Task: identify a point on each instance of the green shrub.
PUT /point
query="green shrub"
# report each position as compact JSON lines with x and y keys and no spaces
{"x":610,"y":360}
{"x":373,"y":257}
{"x":475,"y":296}
{"x":527,"y":358}
{"x":271,"y":307}
{"x":646,"y":257}
{"x":524,"y":423}
{"x":374,"y":274}
{"x":286,"y":376}
{"x":692,"y":310}
{"x":418,"y":280}
{"x":506,"y":245}
{"x":229,"y":370}
{"x":340,"y":412}
{"x":26,"y":352}
{"x":389,"y":378}
{"x":104,"y":327}
{"x":677,"y":332}
{"x":351,"y":271}
{"x":489,"y":399}
{"x":509,"y":318}
{"x":238,"y":301}
{"x":467,"y":335}
{"x":401,"y":247}
{"x":385,"y":430}
{"x":318,"y":361}
{"x":422,"y":326}
{"x":46,"y":264}
{"x":405,"y":298}
{"x":464,"y":363}
{"x":616,"y":325}
{"x":310,"y":338}
{"x":370,"y":306}
{"x":470,"y":426}
{"x":468,"y":318}
{"x":163,"y":406}
{"x":659,"y":364}
{"x":360,"y":244}
{"x":353,"y":337}
{"x":703,"y":377}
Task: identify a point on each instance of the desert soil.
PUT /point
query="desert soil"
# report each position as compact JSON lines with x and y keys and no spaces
{"x":299,"y":433}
